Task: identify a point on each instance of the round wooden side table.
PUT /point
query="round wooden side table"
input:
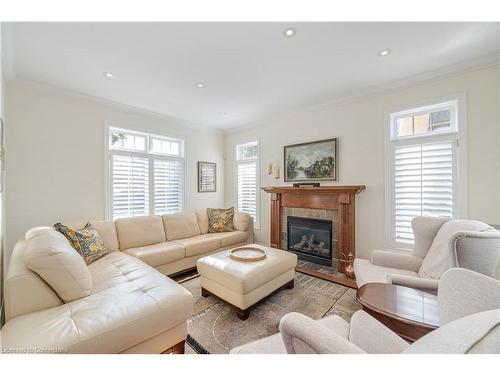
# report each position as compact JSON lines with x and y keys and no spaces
{"x":408,"y":312}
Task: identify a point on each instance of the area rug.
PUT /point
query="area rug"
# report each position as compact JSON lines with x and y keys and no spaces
{"x":215,"y":327}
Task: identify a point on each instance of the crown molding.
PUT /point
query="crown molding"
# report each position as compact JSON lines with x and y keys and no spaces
{"x":482,"y":62}
{"x":73,"y":94}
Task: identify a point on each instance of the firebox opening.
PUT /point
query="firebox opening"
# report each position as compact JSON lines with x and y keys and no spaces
{"x":310,"y":239}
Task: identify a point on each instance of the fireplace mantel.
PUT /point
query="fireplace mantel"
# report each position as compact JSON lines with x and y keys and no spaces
{"x":355,"y":189}
{"x":341,"y":198}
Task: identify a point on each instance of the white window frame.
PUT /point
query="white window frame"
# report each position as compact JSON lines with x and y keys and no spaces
{"x":255,"y":160}
{"x":458,"y":132}
{"x":149,"y":154}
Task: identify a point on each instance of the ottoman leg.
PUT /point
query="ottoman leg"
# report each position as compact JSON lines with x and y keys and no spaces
{"x":243,"y":314}
{"x":290,"y":284}
{"x":204,"y":292}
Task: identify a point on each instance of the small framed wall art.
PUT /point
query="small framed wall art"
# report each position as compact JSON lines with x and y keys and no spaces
{"x":207,"y":177}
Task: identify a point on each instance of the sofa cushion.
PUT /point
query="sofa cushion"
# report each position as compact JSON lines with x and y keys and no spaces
{"x":367,"y":272}
{"x":181,"y":225}
{"x":232,"y":238}
{"x":85,"y":240}
{"x":52,"y":257}
{"x":202,"y":217}
{"x":131,"y":303}
{"x":37,"y":231}
{"x":441,"y":255}
{"x":139,"y":231}
{"x":242,"y":221}
{"x":158,"y":254}
{"x":201,"y":244}
{"x":220,"y":220}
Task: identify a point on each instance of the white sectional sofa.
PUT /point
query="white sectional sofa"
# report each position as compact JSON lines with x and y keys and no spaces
{"x":121,"y":303}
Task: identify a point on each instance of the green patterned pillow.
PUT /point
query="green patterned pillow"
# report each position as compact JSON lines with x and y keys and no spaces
{"x":220,"y":220}
{"x":85,"y":240}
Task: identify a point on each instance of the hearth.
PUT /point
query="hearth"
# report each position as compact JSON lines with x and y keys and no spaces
{"x":310,"y":239}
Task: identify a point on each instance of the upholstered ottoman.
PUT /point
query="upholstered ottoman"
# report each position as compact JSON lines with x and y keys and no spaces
{"x":244,"y":284}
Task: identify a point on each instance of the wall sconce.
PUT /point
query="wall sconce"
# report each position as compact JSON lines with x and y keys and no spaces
{"x":274,"y":170}
{"x":269,"y":169}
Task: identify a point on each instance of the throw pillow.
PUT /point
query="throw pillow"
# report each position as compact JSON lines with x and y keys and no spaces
{"x":441,"y":255}
{"x":85,"y":240}
{"x":220,"y":220}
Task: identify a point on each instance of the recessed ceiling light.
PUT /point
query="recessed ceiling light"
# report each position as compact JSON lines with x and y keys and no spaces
{"x":289,"y":32}
{"x":385,"y":52}
{"x":222,"y":113}
{"x":108,"y":74}
{"x":200,"y":85}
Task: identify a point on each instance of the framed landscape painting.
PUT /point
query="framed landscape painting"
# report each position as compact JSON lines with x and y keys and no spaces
{"x":207,"y":177}
{"x":311,"y":161}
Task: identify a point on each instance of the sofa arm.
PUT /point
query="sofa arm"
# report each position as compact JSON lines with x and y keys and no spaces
{"x":302,"y":335}
{"x":393,"y":259}
{"x":464,"y":292}
{"x":415,"y":282}
{"x":244,"y":222}
{"x":373,"y":337}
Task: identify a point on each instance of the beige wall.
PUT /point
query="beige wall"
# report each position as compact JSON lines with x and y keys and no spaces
{"x":359,"y":125}
{"x":55,"y":164}
{"x":2,"y":221}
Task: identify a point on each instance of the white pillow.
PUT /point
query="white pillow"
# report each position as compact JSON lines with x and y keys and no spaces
{"x":441,"y":254}
{"x":51,"y":256}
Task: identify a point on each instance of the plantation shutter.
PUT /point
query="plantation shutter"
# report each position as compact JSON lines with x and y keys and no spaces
{"x":423,"y":184}
{"x":130,"y":186}
{"x":247,"y":188}
{"x":168,"y":186}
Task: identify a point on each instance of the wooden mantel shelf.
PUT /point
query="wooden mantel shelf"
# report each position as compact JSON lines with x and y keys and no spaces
{"x":340,"y":198}
{"x":355,"y":189}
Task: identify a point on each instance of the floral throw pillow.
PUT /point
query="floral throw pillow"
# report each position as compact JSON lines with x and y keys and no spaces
{"x":220,"y":220}
{"x":85,"y":240}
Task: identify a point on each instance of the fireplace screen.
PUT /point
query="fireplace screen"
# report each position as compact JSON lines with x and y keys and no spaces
{"x":311,"y":238}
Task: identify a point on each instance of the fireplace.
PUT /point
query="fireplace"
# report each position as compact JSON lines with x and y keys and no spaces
{"x":310,"y":239}
{"x":338,"y":199}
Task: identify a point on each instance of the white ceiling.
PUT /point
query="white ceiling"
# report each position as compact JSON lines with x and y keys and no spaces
{"x":250,"y":70}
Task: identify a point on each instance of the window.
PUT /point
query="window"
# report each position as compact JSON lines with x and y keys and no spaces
{"x":146,"y":174}
{"x":423,"y":168}
{"x":247,"y":172}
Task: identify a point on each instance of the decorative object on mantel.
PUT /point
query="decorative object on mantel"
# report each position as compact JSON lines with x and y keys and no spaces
{"x":207,"y":177}
{"x":247,"y":254}
{"x":311,"y":161}
{"x":306,"y":184}
{"x":337,"y":198}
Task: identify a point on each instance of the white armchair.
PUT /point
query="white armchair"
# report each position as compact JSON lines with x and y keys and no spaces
{"x":469,"y":310}
{"x":440,"y":244}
